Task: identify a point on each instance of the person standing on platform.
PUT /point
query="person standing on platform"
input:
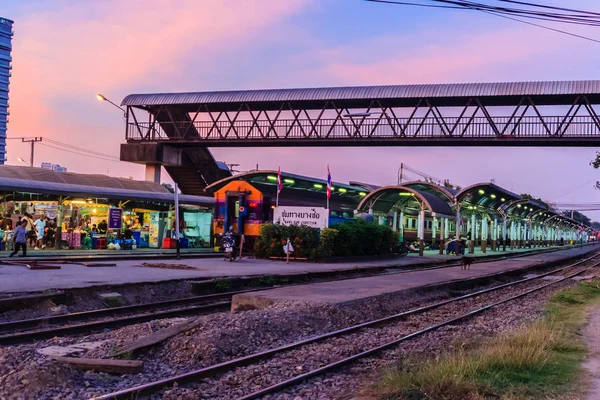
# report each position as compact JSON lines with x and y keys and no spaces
{"x":39,"y":224}
{"x":7,"y":224}
{"x":20,"y":239}
{"x":31,"y":235}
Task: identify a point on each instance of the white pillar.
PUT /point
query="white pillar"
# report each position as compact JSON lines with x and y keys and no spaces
{"x":458,"y":219}
{"x":402,"y":225}
{"x":419,"y":229}
{"x":422,"y":229}
{"x":395,"y":221}
{"x":433,"y":222}
{"x":446,"y":226}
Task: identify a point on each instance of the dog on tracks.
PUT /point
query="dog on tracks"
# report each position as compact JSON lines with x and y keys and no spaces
{"x":465,"y":262}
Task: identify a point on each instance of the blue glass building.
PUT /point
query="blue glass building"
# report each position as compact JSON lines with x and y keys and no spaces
{"x":6,"y":33}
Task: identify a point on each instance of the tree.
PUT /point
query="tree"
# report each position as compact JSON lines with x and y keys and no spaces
{"x":578,"y":217}
{"x":527,"y":196}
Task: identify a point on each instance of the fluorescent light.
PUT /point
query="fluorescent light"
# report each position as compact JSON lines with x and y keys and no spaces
{"x":272,"y":178}
{"x":481,"y":191}
{"x":503,"y":199}
{"x":405,"y":194}
{"x":493,"y":196}
{"x":290,"y":181}
{"x":363,"y":194}
{"x":318,"y":186}
{"x":343,"y":190}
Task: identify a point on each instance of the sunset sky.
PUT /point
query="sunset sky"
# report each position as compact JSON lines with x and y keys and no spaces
{"x":66,"y":51}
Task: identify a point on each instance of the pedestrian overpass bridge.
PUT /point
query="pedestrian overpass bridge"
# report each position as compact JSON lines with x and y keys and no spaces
{"x":175,"y":130}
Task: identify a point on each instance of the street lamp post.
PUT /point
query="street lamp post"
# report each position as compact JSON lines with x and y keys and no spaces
{"x":101,"y":97}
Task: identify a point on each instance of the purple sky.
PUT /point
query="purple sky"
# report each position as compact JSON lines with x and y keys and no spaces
{"x":65,"y":52}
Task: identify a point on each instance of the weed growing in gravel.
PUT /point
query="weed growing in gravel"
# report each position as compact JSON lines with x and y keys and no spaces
{"x":539,"y":360}
{"x":221,"y":284}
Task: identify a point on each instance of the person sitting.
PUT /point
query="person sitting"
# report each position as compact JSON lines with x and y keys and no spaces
{"x":7,"y":223}
{"x":136,"y":225}
{"x":128,"y":233}
{"x":93,"y":230}
{"x":49,"y":236}
{"x":102,"y":227}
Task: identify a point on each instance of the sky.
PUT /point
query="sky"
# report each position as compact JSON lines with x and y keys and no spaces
{"x":67,"y":51}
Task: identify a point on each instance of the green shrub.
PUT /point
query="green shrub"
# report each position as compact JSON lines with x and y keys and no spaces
{"x":274,"y":236}
{"x":355,"y":238}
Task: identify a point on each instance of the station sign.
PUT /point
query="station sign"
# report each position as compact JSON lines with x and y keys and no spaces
{"x":314,"y":217}
{"x":115,"y":218}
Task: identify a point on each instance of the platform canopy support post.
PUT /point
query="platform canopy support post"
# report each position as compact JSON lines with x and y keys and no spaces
{"x":442,"y":234}
{"x":421,"y":230}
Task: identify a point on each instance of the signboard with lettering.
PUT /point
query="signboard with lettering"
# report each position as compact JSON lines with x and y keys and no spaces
{"x":315,"y":217}
{"x":115,"y":218}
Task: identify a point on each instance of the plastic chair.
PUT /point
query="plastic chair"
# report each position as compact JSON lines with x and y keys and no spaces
{"x":102,"y":243}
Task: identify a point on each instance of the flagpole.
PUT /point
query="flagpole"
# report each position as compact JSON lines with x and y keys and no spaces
{"x":328,"y":187}
{"x":278,"y":186}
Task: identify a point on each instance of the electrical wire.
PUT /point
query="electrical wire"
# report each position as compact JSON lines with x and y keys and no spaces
{"x":547,"y":28}
{"x":78,"y":153}
{"x":56,"y":142}
{"x":584,"y":18}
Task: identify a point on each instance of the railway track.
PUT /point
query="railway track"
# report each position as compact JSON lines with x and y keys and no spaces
{"x":22,"y":331}
{"x":26,"y":330}
{"x":253,"y":360}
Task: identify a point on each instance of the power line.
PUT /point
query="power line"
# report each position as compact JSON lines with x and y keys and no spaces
{"x":546,"y":27}
{"x":80,"y":149}
{"x":79,"y":153}
{"x":581,"y":18}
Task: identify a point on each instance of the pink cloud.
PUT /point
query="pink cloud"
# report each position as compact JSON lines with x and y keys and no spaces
{"x":64,"y":56}
{"x":451,"y":58}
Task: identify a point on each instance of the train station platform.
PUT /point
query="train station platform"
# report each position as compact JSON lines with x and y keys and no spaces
{"x":351,"y":290}
{"x":18,"y":278}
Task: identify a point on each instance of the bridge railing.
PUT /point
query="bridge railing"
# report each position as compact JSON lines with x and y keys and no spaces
{"x":366,"y":128}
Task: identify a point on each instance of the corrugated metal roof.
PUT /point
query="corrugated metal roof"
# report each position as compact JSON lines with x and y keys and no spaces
{"x":98,"y":180}
{"x":247,"y":176}
{"x":552,"y":88}
{"x":66,"y":189}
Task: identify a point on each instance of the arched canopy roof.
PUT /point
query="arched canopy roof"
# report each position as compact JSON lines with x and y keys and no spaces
{"x":445,"y":194}
{"x":294,"y":182}
{"x":369,"y":187}
{"x":486,"y":194}
{"x":384,"y":199}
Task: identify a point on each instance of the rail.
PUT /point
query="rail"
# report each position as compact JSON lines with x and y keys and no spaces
{"x":196,"y":375}
{"x":260,"y":132}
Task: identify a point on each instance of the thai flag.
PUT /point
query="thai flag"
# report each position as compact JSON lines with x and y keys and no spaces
{"x":329,"y":183}
{"x":279,"y":186}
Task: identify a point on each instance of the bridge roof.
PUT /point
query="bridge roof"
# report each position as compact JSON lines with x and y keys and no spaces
{"x":500,"y":91}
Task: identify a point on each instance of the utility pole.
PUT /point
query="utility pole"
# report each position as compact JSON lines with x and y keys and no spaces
{"x":33,"y":141}
{"x":400,"y":173}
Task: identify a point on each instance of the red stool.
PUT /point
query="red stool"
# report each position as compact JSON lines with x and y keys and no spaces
{"x":102,"y":243}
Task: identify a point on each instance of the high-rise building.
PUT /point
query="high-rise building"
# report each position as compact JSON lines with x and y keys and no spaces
{"x":6,"y":34}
